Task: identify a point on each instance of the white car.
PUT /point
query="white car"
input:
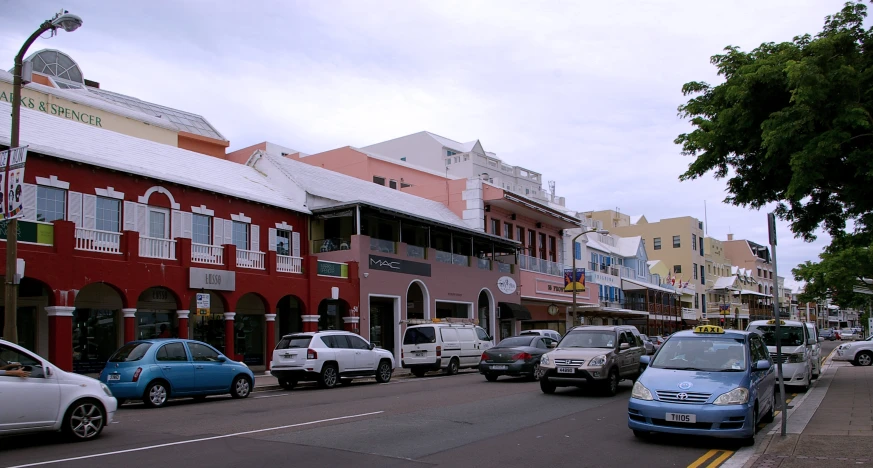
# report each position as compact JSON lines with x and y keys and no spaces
{"x":329,"y":358}
{"x":50,"y":399}
{"x":859,"y":353}
{"x":796,"y":358}
{"x":848,"y":334}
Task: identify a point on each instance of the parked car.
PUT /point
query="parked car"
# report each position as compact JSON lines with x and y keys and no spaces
{"x":50,"y":399}
{"x":793,"y":337}
{"x":648,"y":344}
{"x":707,"y":382}
{"x":515,"y":356}
{"x":593,"y":355}
{"x":827,"y":334}
{"x":859,"y":353}
{"x":158,"y":369}
{"x":550,"y":333}
{"x":329,"y":358}
{"x":450,"y":346}
{"x":847,"y":334}
{"x":813,"y":345}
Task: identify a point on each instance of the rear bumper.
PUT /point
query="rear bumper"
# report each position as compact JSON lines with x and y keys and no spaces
{"x":734,"y":421}
{"x":795,"y":373}
{"x":127,"y":390}
{"x":506,"y":368}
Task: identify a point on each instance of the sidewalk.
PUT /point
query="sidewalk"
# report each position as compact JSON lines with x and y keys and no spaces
{"x":264,"y":381}
{"x":835,"y":433}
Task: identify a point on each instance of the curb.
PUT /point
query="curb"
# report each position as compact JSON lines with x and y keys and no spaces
{"x":404,"y":376}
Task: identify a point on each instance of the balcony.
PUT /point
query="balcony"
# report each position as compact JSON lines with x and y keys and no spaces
{"x":289,"y":264}
{"x":483,"y":263}
{"x":92,"y":240}
{"x":249,"y":259}
{"x":540,"y":265}
{"x":209,"y":254}
{"x":152,"y":247}
{"x":415,"y":251}
{"x":503,"y":267}
{"x":331,"y":245}
{"x":384,"y":246}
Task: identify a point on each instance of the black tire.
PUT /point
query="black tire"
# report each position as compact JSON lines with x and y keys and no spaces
{"x":156,"y":394}
{"x":84,"y":420}
{"x":384,"y":371}
{"x":329,"y":376}
{"x":547,"y":387}
{"x":536,"y":373}
{"x":750,"y":441}
{"x":864,"y":358}
{"x":241,"y":387}
{"x":419,"y":372}
{"x":491,"y":377}
{"x":453,"y":366}
{"x":610,"y":385}
{"x":288,"y":384}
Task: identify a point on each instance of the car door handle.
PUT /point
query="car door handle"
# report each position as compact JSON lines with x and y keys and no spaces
{"x":168,"y":368}
{"x":199,"y":367}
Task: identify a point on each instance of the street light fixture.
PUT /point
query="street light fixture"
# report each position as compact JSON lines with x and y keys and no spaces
{"x":573,"y":278}
{"x":62,"y":20}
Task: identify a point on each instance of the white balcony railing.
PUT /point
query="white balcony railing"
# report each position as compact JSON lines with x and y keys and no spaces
{"x":540,"y":265}
{"x":204,"y":253}
{"x":250,"y":259}
{"x":288,"y":264}
{"x":93,"y":240}
{"x":152,"y":247}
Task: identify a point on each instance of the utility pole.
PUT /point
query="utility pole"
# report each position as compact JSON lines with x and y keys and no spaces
{"x":771,"y":221}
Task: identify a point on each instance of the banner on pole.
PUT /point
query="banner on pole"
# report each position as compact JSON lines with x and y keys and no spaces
{"x":574,"y":282}
{"x":12,"y":180}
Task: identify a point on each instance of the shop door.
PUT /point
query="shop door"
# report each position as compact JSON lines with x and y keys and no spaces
{"x":505,"y":329}
{"x":382,"y":322}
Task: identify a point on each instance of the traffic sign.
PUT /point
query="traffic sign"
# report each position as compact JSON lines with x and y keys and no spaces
{"x":202,"y":304}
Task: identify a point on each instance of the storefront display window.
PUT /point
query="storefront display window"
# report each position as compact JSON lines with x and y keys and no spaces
{"x":210,"y":329}
{"x":249,"y":331}
{"x":94,"y":339}
{"x":154,"y":324}
{"x":452,"y":309}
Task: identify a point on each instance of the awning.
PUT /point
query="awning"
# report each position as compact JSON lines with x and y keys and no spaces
{"x":746,"y":292}
{"x":725,"y":283}
{"x":508,"y":310}
{"x":630,"y":285}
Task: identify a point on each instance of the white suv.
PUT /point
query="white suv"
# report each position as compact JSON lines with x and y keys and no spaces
{"x":329,"y":358}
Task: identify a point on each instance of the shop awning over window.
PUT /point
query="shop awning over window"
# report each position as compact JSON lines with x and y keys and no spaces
{"x":509,"y":310}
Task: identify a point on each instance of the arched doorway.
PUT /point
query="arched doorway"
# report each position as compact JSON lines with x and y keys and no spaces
{"x":208,"y":328}
{"x":331,"y":313}
{"x":31,"y":321}
{"x":97,"y":327}
{"x":289,"y":315}
{"x":484,"y":309}
{"x":417,"y":301}
{"x":248,"y":329}
{"x":156,"y":314}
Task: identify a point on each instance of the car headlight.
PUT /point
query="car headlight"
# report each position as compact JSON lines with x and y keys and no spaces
{"x":105,"y":389}
{"x":597,"y":361}
{"x":796,"y":358}
{"x":545,"y":360}
{"x":737,"y":396}
{"x":640,"y":392}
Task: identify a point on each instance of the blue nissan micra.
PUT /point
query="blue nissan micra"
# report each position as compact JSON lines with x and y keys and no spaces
{"x":155,"y":370}
{"x":708,"y":382}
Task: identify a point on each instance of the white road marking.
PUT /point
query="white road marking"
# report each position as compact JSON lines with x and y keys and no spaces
{"x":170,"y":444}
{"x":269,"y":396}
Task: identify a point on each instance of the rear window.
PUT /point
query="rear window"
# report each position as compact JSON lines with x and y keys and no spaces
{"x":130,"y":352}
{"x":419,"y":335}
{"x":516,"y":341}
{"x":294,"y":342}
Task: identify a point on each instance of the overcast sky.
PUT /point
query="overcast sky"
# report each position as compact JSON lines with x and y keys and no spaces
{"x":584,"y":92}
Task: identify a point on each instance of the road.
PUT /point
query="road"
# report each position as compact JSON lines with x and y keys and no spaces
{"x":435,"y":421}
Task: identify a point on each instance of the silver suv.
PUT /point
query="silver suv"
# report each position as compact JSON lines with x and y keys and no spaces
{"x":589,"y":355}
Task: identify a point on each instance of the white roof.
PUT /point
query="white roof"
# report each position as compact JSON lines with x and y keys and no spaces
{"x":635,"y":219}
{"x":400,"y":162}
{"x":724,"y":282}
{"x":82,"y":143}
{"x":624,"y":246}
{"x":455,"y":145}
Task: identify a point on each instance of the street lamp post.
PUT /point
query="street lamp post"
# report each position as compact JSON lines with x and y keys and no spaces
{"x":573,"y":278}
{"x":69,"y":23}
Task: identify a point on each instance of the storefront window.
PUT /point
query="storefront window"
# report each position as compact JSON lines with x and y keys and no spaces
{"x":26,"y":326}
{"x":249,"y":331}
{"x":154,"y":324}
{"x":452,"y":309}
{"x":330,"y":317}
{"x":94,"y":339}
{"x":210,"y":329}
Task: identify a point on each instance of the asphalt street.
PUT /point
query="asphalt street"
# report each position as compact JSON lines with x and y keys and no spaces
{"x":446,"y":421}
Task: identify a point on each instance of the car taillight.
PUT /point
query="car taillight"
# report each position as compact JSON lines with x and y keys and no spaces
{"x":484,"y":357}
{"x":136,"y":373}
{"x":439,"y":351}
{"x":521,"y":357}
{"x":311,"y":354}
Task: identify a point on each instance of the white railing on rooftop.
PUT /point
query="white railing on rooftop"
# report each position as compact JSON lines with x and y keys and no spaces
{"x":93,"y":240}
{"x":250,"y":259}
{"x":204,"y":253}
{"x":540,"y":265}
{"x":153,"y":247}
{"x":289,"y":264}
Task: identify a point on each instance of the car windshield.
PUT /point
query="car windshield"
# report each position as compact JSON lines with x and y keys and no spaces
{"x":294,"y":342}
{"x":702,"y":354}
{"x":515,"y":341}
{"x":130,"y":352}
{"x":788,"y":336}
{"x":589,"y":339}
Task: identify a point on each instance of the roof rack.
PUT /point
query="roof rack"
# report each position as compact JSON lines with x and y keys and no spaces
{"x":446,"y":320}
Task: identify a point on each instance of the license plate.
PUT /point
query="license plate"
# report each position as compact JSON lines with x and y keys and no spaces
{"x":114,"y":377}
{"x":420,"y":353}
{"x":682,"y":418}
{"x":566,"y":370}
{"x":498,"y":367}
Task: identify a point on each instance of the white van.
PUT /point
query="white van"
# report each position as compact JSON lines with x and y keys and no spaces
{"x":814,"y":345}
{"x":447,"y":344}
{"x":796,"y":356}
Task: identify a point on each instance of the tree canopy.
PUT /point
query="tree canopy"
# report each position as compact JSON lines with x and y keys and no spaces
{"x":792,"y":125}
{"x":843,"y":274}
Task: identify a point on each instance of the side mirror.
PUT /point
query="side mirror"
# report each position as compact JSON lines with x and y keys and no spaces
{"x":645,"y":360}
{"x":222,"y":359}
{"x":763,"y":364}
{"x":371,"y":346}
{"x":624,"y":346}
{"x":48,"y":371}
{"x":553,"y":344}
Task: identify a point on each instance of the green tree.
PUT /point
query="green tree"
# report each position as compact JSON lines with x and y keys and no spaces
{"x":792,"y":125}
{"x":842,"y":275}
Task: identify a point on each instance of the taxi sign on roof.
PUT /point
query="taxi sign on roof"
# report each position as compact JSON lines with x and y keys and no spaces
{"x":708,"y":329}
{"x":773,"y":322}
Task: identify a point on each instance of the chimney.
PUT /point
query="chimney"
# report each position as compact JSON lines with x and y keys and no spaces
{"x":730,"y":237}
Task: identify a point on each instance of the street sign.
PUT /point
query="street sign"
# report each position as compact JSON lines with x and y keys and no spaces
{"x":202,"y":303}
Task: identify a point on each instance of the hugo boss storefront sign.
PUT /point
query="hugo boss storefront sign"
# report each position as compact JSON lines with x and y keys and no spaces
{"x":206,"y":278}
{"x":399,"y":266}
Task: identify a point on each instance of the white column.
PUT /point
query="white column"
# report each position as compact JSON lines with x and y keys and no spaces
{"x":270,"y":317}
{"x":309,"y":318}
{"x":229,"y":316}
{"x":183,"y":314}
{"x":59,"y":311}
{"x":128,"y":313}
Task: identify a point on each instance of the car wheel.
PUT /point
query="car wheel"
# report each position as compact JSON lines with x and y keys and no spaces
{"x":491,"y":377}
{"x":156,"y":394}
{"x":84,"y":420}
{"x":288,"y":384}
{"x":419,"y":372}
{"x":610,"y":386}
{"x":328,"y":377}
{"x":536,"y":373}
{"x":384,"y":371}
{"x":241,"y":387}
{"x":452,"y":368}
{"x":864,"y":358}
{"x":750,"y":441}
{"x":547,"y":387}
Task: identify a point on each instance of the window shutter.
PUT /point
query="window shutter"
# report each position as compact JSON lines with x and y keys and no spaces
{"x":74,"y":208}
{"x":142,"y":219}
{"x":295,"y":244}
{"x":256,"y":238}
{"x":271,"y":239}
{"x":175,"y":224}
{"x":129,"y":216}
{"x":218,"y":231}
{"x":187,"y":225}
{"x":89,"y":211}
{"x":228,"y":231}
{"x":28,"y":200}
